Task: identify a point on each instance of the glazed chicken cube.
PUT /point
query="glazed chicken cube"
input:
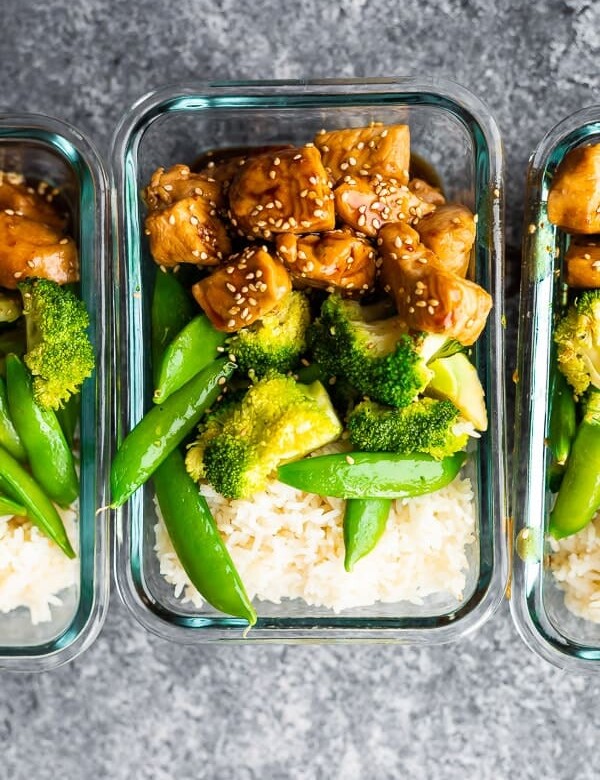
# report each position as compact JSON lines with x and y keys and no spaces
{"x":223,"y":164}
{"x":337,"y":260}
{"x":30,"y":248}
{"x":583,"y":266}
{"x":364,"y":151}
{"x":188,"y":231}
{"x":574,"y":198}
{"x":426,"y":192}
{"x":450,"y":233}
{"x":282,"y":192}
{"x":367,"y":204}
{"x":26,"y":201}
{"x":167,"y":187}
{"x":248,"y":287}
{"x":429,"y":297}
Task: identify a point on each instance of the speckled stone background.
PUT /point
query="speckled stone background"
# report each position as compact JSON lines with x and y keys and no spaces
{"x":135,"y":707}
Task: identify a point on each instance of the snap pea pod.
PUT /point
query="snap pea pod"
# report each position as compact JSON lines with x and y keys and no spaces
{"x":9,"y":438}
{"x":172,"y":309}
{"x":10,"y":507}
{"x":49,"y":455}
{"x":40,"y":510}
{"x":562,"y":425}
{"x":371,"y":474}
{"x":192,"y":349}
{"x":578,"y":498}
{"x":364,"y":523}
{"x":197,"y":541}
{"x":163,"y":428}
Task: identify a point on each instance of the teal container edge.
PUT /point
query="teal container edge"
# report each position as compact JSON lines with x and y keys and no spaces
{"x":43,"y":147}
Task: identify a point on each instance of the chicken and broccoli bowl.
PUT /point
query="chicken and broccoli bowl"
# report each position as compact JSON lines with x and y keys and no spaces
{"x":317,"y":410}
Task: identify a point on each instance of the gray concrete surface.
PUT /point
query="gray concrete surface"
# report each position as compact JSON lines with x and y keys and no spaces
{"x":136,"y":707}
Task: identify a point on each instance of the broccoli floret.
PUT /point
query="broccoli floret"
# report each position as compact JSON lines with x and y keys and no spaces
{"x":427,"y":425}
{"x":59,"y":353}
{"x":276,"y":341}
{"x":577,"y":338}
{"x":278,"y":420}
{"x":376,"y":356}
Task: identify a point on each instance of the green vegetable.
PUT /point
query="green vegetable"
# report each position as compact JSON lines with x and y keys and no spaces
{"x":364,"y":523}
{"x":563,"y":424}
{"x":40,"y":510}
{"x":276,"y":341}
{"x":11,"y":306}
{"x":277,"y":420}
{"x":577,"y":338}
{"x":10,"y":507}
{"x":59,"y":354}
{"x":68,"y":417}
{"x":49,"y":455}
{"x":578,"y":498}
{"x":197,"y":541}
{"x":172,"y":309}
{"x":163,"y":428}
{"x":9,"y":438}
{"x":371,"y":474}
{"x":376,"y":356}
{"x":192,"y":349}
{"x":455,"y":379}
{"x":425,"y":425}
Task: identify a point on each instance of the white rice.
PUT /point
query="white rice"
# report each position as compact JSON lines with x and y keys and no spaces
{"x":289,"y":544}
{"x":575,"y":564}
{"x":33,"y":569}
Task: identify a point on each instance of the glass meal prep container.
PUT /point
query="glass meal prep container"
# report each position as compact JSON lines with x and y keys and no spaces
{"x":45,"y":149}
{"x":537,"y":603}
{"x":452,"y":131}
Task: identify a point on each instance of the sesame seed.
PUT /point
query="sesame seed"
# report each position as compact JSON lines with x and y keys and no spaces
{"x":297,"y":157}
{"x":531,"y":229}
{"x":587,"y":256}
{"x":352,"y":160}
{"x":221,"y":380}
{"x":230,"y":287}
{"x":272,"y":174}
{"x":362,"y":220}
{"x":10,"y":212}
{"x":430,"y":309}
{"x":411,"y":310}
{"x":168,"y":187}
{"x":421,"y":304}
{"x":230,"y":269}
{"x":231,"y":324}
{"x":193,"y":220}
{"x":313,"y":179}
{"x":276,"y":161}
{"x":376,"y":224}
{"x":172,"y":220}
{"x":18,"y":274}
{"x":64,"y":241}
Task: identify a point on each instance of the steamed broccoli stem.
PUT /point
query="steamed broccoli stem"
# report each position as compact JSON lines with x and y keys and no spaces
{"x":59,"y":353}
{"x":377,"y":357}
{"x":426,"y":425}
{"x":276,"y":341}
{"x":242,"y":444}
{"x":577,"y":338}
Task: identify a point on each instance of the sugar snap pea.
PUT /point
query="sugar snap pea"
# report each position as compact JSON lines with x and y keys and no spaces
{"x":172,"y":309}
{"x":163,"y":428}
{"x":10,"y":507}
{"x":371,"y":474}
{"x":197,"y":541}
{"x":364,"y":523}
{"x":578,"y":498}
{"x":49,"y":455}
{"x":192,"y":349}
{"x":40,"y":510}
{"x":9,"y":438}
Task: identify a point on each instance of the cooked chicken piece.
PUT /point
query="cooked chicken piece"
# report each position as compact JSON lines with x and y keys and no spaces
{"x":188,"y":231}
{"x":429,"y":297}
{"x":583,"y":266}
{"x":367,"y":204}
{"x":248,"y":287}
{"x":574,"y":198}
{"x":450,"y":233}
{"x":167,"y":187}
{"x":282,"y":192}
{"x":28,"y":202}
{"x":426,"y":192}
{"x":337,"y":260}
{"x":30,"y":248}
{"x":364,"y":151}
{"x":223,"y":164}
